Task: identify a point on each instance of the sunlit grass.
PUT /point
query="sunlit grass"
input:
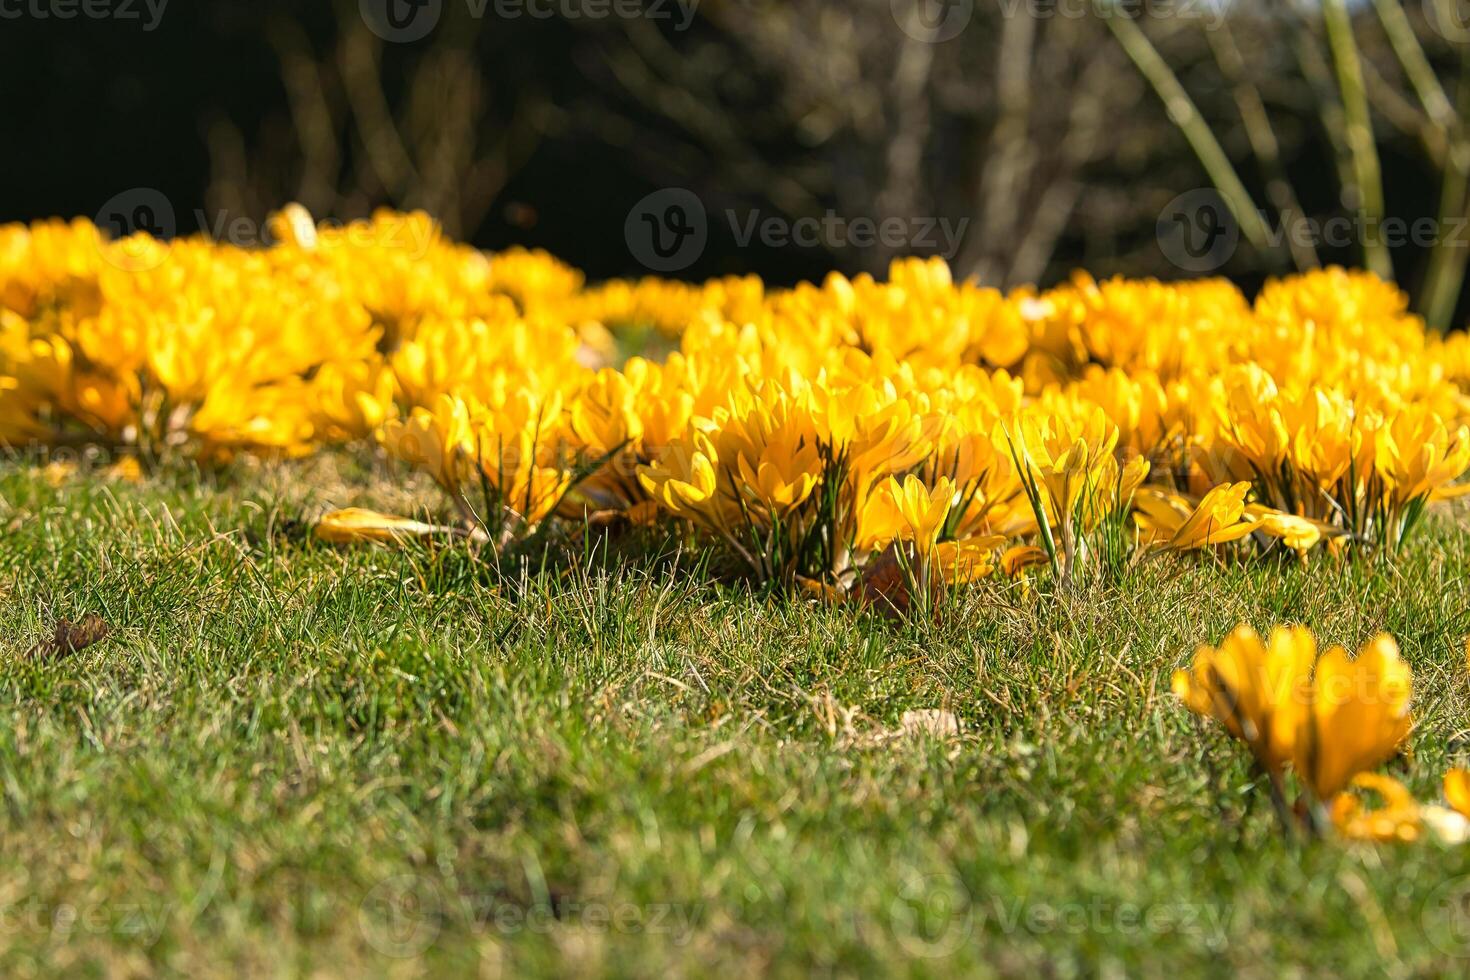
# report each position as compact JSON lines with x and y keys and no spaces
{"x":291,"y":757}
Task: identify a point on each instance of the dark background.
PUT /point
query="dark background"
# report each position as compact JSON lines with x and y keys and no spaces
{"x":785,"y":109}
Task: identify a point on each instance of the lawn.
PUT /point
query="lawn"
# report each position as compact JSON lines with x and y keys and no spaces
{"x":290,"y":757}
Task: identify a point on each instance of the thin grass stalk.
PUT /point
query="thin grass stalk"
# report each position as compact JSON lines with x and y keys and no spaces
{"x":1186,"y":116}
{"x":1445,"y":275}
{"x":1446,"y":267}
{"x":1415,"y":62}
{"x":1319,"y":76}
{"x":1264,"y":144}
{"x":1367,"y":175}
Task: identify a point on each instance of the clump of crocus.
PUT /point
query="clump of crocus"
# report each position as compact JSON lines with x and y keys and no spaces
{"x":1324,"y":720}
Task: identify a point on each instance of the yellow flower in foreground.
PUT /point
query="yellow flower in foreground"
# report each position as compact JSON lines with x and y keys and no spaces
{"x":964,"y":561}
{"x":1258,"y":691}
{"x":1398,"y":819}
{"x":1359,"y":714}
{"x":684,"y":481}
{"x":1457,"y":790}
{"x":1332,"y":723}
{"x":1420,"y":456}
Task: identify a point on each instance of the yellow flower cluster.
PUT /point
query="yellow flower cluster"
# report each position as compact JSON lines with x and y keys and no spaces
{"x":816,"y":431}
{"x":1329,"y":720}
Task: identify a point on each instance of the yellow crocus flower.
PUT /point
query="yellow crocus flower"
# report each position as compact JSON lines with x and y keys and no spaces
{"x":1259,"y":691}
{"x":1173,"y":524}
{"x":438,"y":440}
{"x":909,"y":511}
{"x":1357,"y":717}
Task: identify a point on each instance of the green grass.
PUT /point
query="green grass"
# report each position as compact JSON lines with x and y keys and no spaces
{"x":293,"y":758}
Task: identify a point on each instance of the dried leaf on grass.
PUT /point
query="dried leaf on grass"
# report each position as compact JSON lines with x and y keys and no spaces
{"x":70,"y":638}
{"x":934,"y":722}
{"x":883,"y":585}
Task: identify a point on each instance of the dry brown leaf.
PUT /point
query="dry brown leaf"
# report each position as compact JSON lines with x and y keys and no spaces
{"x":883,"y":585}
{"x":923,"y":723}
{"x":814,"y":589}
{"x":70,"y":638}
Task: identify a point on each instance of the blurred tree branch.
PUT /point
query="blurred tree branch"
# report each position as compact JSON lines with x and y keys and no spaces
{"x":1032,"y":123}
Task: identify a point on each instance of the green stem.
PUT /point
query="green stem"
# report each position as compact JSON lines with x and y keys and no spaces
{"x":1184,"y":115}
{"x":1264,"y":144}
{"x":1367,"y":176}
{"x":1445,"y":274}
